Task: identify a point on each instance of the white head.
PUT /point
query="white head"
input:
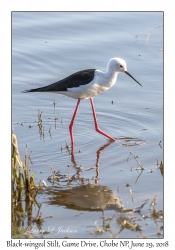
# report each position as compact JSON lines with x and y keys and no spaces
{"x":117,"y":65}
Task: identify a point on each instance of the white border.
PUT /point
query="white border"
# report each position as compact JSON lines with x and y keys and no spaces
{"x":5,"y":94}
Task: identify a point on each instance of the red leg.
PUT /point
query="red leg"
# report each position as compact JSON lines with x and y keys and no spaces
{"x":72,"y":121}
{"x":96,"y":123}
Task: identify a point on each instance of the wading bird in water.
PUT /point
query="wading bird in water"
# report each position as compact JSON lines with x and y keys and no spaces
{"x":85,"y":84}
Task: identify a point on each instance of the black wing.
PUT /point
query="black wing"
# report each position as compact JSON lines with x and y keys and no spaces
{"x":75,"y":80}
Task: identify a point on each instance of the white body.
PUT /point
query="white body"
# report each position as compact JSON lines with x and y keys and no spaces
{"x":102,"y":81}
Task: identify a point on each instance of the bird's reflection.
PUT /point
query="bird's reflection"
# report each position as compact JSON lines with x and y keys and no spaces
{"x":98,"y":153}
{"x":88,"y":195}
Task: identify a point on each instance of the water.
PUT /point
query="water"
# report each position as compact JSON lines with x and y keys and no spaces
{"x":48,"y":46}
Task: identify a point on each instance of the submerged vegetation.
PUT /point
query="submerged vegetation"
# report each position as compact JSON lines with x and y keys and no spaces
{"x":24,"y":192}
{"x":79,"y":191}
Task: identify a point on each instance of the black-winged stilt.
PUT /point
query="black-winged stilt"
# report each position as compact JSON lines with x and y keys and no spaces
{"x":85,"y":84}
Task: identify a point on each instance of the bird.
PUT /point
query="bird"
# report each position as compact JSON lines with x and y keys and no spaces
{"x":86,"y":84}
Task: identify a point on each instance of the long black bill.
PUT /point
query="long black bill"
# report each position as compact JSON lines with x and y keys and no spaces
{"x":133,"y":78}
